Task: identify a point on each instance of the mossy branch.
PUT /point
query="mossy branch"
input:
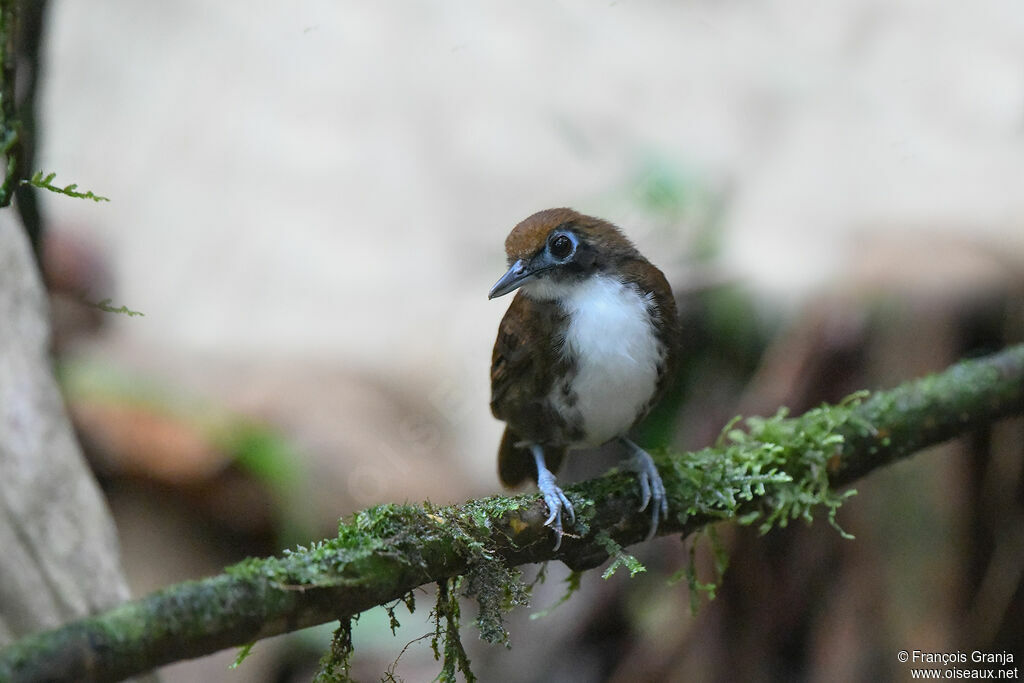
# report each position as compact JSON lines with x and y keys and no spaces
{"x":775,"y":470}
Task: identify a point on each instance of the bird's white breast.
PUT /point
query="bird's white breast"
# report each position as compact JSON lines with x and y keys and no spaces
{"x":611,"y":339}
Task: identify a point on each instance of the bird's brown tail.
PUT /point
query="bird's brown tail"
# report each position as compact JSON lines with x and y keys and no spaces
{"x":515,"y":463}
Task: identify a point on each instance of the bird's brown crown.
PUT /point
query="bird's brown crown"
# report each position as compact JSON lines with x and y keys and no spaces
{"x":530,"y":235}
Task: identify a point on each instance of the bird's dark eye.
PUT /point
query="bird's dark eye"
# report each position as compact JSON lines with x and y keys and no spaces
{"x":561,"y":247}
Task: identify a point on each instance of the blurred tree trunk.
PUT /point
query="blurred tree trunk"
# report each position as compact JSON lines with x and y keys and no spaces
{"x":60,"y":556}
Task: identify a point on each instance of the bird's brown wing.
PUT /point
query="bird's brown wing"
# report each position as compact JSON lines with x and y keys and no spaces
{"x":522,"y":360}
{"x":522,"y":370}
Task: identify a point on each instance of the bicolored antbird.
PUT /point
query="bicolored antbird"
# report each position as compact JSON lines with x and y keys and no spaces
{"x":584,"y":351}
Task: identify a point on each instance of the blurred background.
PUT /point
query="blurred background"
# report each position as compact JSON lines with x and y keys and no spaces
{"x":309,"y":202}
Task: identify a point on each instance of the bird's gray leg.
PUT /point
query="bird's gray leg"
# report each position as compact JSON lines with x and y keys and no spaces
{"x":651,"y":486}
{"x":553,"y":496}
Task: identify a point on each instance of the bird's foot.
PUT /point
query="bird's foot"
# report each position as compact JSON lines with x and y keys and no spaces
{"x":554,"y":497}
{"x":652,"y":489}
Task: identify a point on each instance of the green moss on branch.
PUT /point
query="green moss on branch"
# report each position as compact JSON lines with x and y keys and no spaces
{"x":774,"y":470}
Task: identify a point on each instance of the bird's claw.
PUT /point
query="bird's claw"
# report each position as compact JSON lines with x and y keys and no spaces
{"x":652,"y":489}
{"x":557,"y":502}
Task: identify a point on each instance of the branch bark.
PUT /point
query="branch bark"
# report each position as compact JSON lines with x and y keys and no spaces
{"x":385,"y":552}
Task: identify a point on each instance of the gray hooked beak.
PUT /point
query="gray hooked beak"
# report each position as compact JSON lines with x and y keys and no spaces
{"x":516,"y":276}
